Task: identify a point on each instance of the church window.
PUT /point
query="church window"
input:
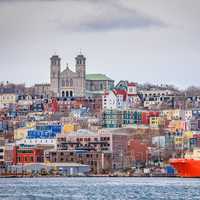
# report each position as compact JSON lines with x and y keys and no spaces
{"x":71,"y":94}
{"x":67,"y":94}
{"x":67,"y":83}
{"x":63,"y":83}
{"x":71,"y":82}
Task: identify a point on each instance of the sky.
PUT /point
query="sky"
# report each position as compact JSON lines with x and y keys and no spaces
{"x":154,"y":41}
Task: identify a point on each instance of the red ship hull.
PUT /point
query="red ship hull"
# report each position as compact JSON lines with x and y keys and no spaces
{"x":186,"y":167}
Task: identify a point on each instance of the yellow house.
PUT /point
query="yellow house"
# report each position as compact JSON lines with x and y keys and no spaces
{"x":70,"y":128}
{"x":188,"y":134}
{"x":154,"y":121}
{"x":6,"y":99}
{"x":20,"y":133}
{"x":175,"y":125}
{"x":178,"y":140}
{"x":181,"y":140}
{"x":171,"y":114}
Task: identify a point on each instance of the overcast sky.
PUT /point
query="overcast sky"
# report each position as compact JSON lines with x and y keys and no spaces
{"x":155,"y":41}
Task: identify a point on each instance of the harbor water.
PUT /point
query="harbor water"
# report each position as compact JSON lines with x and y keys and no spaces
{"x":98,"y":188}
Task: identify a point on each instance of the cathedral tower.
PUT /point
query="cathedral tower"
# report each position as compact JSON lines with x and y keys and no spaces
{"x":81,"y":71}
{"x":80,"y":65}
{"x":55,"y":74}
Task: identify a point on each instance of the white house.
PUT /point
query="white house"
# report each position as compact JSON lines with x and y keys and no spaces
{"x":109,"y":100}
{"x":121,"y":98}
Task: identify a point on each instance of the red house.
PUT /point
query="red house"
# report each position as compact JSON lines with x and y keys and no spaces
{"x":146,"y":116}
{"x":27,"y":154}
{"x":54,"y":105}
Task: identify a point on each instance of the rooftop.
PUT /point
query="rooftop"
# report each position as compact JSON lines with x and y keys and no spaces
{"x":97,"y":77}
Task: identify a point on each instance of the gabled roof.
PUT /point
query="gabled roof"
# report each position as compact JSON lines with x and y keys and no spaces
{"x":125,"y":84}
{"x":97,"y":77}
{"x":121,"y":92}
{"x":68,"y":72}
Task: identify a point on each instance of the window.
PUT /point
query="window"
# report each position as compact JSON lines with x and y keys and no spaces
{"x":71,"y":82}
{"x":63,"y":83}
{"x":101,"y":86}
{"x":63,"y":93}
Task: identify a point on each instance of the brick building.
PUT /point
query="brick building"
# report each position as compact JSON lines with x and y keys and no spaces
{"x":103,"y":151}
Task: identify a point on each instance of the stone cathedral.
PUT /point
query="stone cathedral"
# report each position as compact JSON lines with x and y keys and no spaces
{"x":68,"y":83}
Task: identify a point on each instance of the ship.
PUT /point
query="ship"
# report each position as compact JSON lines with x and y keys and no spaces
{"x":189,"y":166}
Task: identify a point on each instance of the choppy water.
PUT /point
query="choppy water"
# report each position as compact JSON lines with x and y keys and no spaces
{"x":98,"y":188}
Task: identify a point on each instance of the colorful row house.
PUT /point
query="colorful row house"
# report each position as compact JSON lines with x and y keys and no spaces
{"x":112,"y":119}
{"x":118,"y":118}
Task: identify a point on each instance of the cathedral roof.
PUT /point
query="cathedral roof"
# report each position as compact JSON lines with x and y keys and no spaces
{"x":68,"y":72}
{"x":80,"y":56}
{"x":97,"y":77}
{"x":55,"y":57}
